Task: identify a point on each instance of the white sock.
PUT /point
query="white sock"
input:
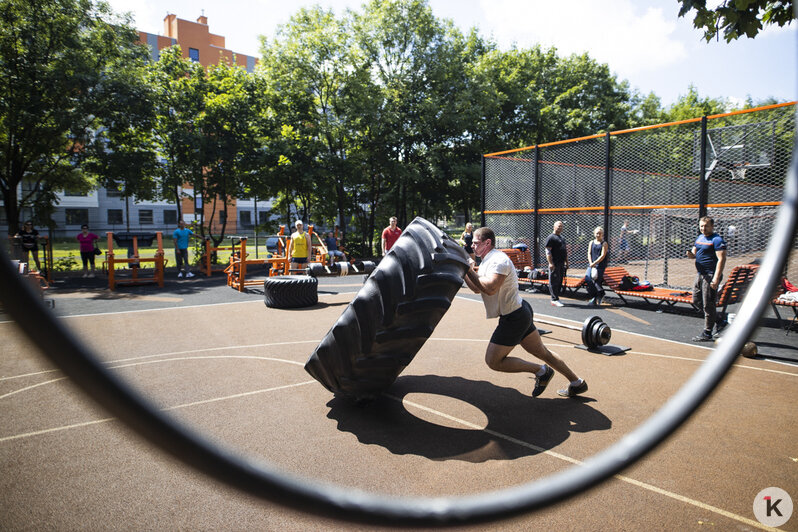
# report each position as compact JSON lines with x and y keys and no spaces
{"x":577,"y":382}
{"x":541,"y":371}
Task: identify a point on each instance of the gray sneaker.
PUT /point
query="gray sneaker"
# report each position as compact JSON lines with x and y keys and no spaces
{"x":703,"y":337}
{"x":542,"y":382}
{"x":572,"y":391}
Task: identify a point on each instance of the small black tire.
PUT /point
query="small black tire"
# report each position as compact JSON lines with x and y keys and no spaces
{"x":392,"y":316}
{"x":291,"y":291}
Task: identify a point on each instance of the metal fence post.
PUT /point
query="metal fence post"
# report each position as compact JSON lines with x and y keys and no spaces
{"x":703,"y":182}
{"x":607,"y":189}
{"x":536,"y":222}
{"x":482,"y":195}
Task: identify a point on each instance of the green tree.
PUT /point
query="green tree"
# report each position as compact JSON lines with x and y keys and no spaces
{"x":307,"y":64}
{"x":122,"y":154}
{"x":54,"y":55}
{"x":228,"y":122}
{"x":736,"y":18}
{"x":179,"y":86}
{"x":692,"y":105}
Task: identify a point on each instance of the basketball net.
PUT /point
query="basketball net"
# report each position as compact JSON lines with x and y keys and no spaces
{"x":738,"y":172}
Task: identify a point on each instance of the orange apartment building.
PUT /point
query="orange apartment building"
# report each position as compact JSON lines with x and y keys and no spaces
{"x":198,"y":44}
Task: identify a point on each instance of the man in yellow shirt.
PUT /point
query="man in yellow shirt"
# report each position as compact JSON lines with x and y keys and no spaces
{"x":299,"y":247}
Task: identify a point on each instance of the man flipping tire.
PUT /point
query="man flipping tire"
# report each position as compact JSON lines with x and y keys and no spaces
{"x":497,"y":283}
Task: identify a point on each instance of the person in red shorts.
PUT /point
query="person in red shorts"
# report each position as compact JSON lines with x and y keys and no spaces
{"x":390,"y":235}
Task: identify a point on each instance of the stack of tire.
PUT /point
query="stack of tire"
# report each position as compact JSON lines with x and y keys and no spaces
{"x":392,"y":316}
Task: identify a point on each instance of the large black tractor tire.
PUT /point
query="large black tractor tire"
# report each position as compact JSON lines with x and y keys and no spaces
{"x":392,"y":316}
{"x":291,"y":291}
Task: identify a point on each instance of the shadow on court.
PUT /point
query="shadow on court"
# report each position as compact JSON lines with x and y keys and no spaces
{"x":511,"y":417}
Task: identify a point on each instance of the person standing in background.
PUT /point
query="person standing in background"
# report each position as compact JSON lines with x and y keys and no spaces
{"x":557,"y":256}
{"x":709,"y":252}
{"x":181,"y":236}
{"x":390,"y":235}
{"x":29,"y":239}
{"x":88,"y":241}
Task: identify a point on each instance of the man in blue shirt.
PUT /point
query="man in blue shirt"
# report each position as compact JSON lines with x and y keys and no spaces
{"x":181,"y":236}
{"x":709,"y":252}
{"x":332,"y":247}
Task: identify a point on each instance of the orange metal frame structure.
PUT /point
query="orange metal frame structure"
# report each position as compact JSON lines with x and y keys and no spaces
{"x":236,"y":270}
{"x":134,"y":262}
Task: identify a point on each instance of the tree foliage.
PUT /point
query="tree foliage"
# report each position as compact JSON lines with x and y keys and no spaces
{"x":55,"y":56}
{"x":735,"y":18}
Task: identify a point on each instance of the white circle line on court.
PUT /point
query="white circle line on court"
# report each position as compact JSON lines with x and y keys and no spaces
{"x":204,"y":357}
{"x":156,"y":309}
{"x":574,"y":461}
{"x":176,"y":407}
{"x":147,"y":310}
{"x":141,"y":363}
{"x":222,"y":348}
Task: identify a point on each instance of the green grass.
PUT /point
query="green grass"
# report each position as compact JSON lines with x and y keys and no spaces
{"x":66,"y":255}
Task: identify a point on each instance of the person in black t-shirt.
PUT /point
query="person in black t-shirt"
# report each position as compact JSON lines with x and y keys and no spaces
{"x":29,"y":238}
{"x":557,"y":256}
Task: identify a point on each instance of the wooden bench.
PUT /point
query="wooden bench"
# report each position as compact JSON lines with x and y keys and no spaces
{"x":523,"y":258}
{"x":731,"y":291}
{"x":613,"y":276}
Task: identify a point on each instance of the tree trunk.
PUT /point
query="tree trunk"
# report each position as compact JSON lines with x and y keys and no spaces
{"x":12,"y":209}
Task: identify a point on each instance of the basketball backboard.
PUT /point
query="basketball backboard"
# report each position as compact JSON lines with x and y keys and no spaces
{"x":736,"y":148}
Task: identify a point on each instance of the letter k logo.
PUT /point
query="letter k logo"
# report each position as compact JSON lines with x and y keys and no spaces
{"x":772,"y":506}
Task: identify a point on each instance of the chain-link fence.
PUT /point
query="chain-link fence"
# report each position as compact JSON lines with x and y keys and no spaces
{"x":647,"y":188}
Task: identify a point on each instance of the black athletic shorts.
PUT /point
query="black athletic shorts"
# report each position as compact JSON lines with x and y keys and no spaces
{"x":299,"y":260}
{"x":514,"y":326}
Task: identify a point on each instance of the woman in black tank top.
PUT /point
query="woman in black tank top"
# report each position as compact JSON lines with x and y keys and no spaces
{"x":597,"y":258}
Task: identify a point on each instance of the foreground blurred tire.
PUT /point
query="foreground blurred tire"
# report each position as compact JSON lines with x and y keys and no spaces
{"x":392,"y":316}
{"x":288,"y":291}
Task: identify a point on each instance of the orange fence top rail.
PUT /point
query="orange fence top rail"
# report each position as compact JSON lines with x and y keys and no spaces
{"x":633,"y":207}
{"x":642,"y":128}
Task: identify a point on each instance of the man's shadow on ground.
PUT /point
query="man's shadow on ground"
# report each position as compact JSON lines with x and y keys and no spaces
{"x":517,"y":424}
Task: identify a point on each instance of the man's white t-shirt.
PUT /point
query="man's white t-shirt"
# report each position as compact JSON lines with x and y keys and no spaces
{"x":506,"y":299}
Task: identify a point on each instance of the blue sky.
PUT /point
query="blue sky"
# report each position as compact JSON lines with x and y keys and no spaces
{"x":643,"y":41}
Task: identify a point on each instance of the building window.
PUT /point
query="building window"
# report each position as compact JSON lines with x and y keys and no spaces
{"x":77,"y":216}
{"x":246,"y":219}
{"x":170,"y":218}
{"x":114,"y":216}
{"x":198,"y":204}
{"x":222,"y":216}
{"x":113,"y":193}
{"x":193,"y":54}
{"x":145,"y":217}
{"x":73,"y":194}
{"x":263,"y":217}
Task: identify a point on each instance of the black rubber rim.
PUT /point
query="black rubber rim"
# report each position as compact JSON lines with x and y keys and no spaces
{"x":75,"y":360}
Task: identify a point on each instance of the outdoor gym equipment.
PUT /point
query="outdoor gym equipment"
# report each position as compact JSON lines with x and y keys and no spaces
{"x":254,"y":477}
{"x":206,"y":264}
{"x":131,"y":241}
{"x":341,"y":269}
{"x":238,"y":267}
{"x":45,"y":275}
{"x":596,"y":336}
{"x":392,"y":316}
{"x":297,"y":291}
